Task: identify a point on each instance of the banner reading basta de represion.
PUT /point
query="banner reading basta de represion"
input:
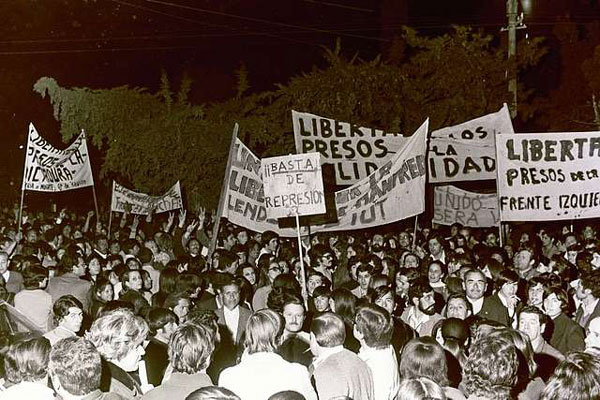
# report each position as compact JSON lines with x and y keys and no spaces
{"x":48,"y":169}
{"x":549,"y":176}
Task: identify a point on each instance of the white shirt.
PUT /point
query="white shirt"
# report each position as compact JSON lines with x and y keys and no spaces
{"x":477,"y":304}
{"x":27,"y":390}
{"x":6,"y":275}
{"x":232,"y":317}
{"x":415,"y":321}
{"x":384,"y":367}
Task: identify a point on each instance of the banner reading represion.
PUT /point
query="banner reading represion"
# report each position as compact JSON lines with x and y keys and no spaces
{"x":549,"y":176}
{"x":48,"y":169}
{"x":476,"y":210}
{"x":142,"y":203}
{"x":354,"y":151}
{"x":245,"y":199}
{"x":466,"y":152}
{"x":394,"y":192}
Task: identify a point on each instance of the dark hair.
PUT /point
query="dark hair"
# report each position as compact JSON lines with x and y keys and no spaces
{"x":345,"y":304}
{"x":506,"y":276}
{"x":159,"y":317}
{"x":576,"y":377}
{"x":424,"y":357}
{"x":591,"y":281}
{"x":33,"y":276}
{"x":60,"y":309}
{"x":542,"y":318}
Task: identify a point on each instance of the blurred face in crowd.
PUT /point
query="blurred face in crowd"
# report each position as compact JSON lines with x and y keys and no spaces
{"x":509,"y":289}
{"x":404,"y":240}
{"x":194,"y":247}
{"x":588,"y":232}
{"x":273,"y":245}
{"x":435,"y":273}
{"x":592,"y":338}
{"x":132,"y":360}
{"x":377,"y":243}
{"x":491,"y":239}
{"x":475,"y":285}
{"x":106,"y":294}
{"x":388,"y":302}
{"x":72,"y":321}
{"x":402,"y":285}
{"x":457,"y":308}
{"x":435,"y":248}
{"x":314,"y":281}
{"x":114,"y":248}
{"x":242,"y":237}
{"x":545,"y":238}
{"x":94,"y":267}
{"x":411,"y":261}
{"x":552,"y":306}
{"x":249,"y":274}
{"x":570,"y":241}
{"x":274,"y":271}
{"x":181,"y":309}
{"x":326,"y":260}
{"x":426,"y":303}
{"x":3,"y":263}
{"x":364,"y":278}
{"x":231,"y":296}
{"x":294,"y":317}
{"x":582,"y":292}
{"x":529,"y":324}
{"x":322,"y":303}
{"x":535,"y":295}
{"x":522,"y":260}
{"x":135,"y":280}
{"x":80,"y":268}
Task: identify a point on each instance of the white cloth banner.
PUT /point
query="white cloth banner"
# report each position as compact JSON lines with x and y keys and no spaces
{"x":245,"y":199}
{"x":549,"y":176}
{"x":392,"y":193}
{"x":48,"y":169}
{"x":466,"y":152}
{"x":476,"y":210}
{"x":143,"y":204}
{"x":354,"y":151}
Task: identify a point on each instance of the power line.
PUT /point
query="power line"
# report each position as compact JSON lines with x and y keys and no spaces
{"x":338,"y":5}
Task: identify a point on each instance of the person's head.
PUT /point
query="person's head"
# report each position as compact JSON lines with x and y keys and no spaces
{"x":436,"y":272}
{"x":507,"y":283}
{"x":404,"y":239}
{"x":321,"y":256}
{"x":556,"y":301}
{"x":35,"y":277}
{"x":364,"y":274}
{"x":179,"y":303}
{"x":343,"y":303}
{"x":435,"y":244}
{"x":524,"y":259}
{"x":589,"y":286}
{"x":118,"y":335}
{"x":326,"y":330}
{"x":491,"y":368}
{"x":162,"y":322}
{"x":373,"y":326}
{"x":592,"y":337}
{"x":293,"y":312}
{"x":249,"y":272}
{"x":230,"y":293}
{"x":321,"y":297}
{"x":273,"y":270}
{"x":212,"y":393}
{"x":576,"y":377}
{"x":190,"y":348}
{"x":424,"y":357}
{"x":404,"y":277}
{"x":3,"y":262}
{"x":104,"y":290}
{"x":74,"y":367}
{"x":228,"y":262}
{"x":263,"y":331}
{"x":27,"y":360}
{"x":314,"y":280}
{"x":421,"y":296}
{"x":384,"y":297}
{"x":270,"y":241}
{"x":527,"y":365}
{"x":475,"y":284}
{"x":132,"y":280}
{"x":535,"y":291}
{"x":68,"y":313}
{"x":420,"y":388}
{"x":457,"y":306}
{"x":532,"y":322}
{"x":410,"y":260}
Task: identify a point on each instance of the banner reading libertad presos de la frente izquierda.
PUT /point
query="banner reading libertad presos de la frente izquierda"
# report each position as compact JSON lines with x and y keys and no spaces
{"x":549,"y":176}
{"x":48,"y":169}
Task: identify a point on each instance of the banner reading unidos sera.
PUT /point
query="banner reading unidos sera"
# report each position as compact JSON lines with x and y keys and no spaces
{"x":549,"y":176}
{"x":453,"y":205}
{"x":354,"y":151}
{"x":143,"y":204}
{"x":466,"y":152}
{"x":48,"y":169}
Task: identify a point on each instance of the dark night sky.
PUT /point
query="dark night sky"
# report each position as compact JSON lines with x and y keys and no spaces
{"x":105,"y":43}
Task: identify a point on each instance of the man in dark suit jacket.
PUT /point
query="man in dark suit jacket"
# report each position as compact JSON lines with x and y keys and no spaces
{"x":495,"y":306}
{"x":588,"y":292}
{"x":13,"y":279}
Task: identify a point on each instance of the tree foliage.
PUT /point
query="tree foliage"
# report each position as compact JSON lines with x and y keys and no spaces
{"x":152,"y":140}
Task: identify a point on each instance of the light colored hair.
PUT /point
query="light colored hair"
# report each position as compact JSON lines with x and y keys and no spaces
{"x":329,"y":330}
{"x":76,"y":364}
{"x":117,"y":333}
{"x":263,"y":331}
{"x":190,"y":348}
{"x":27,"y":360}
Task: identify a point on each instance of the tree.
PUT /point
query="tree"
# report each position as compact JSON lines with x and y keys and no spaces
{"x":152,"y":140}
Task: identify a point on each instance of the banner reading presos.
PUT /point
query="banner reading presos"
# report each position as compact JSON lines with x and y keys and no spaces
{"x":476,"y":210}
{"x":466,"y":152}
{"x":48,"y":169}
{"x":394,"y":192}
{"x":245,"y":200}
{"x":142,"y":203}
{"x":549,"y":176}
{"x":293,"y":185}
{"x":354,"y":151}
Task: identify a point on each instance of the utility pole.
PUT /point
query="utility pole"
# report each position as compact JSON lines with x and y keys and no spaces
{"x":515,"y":22}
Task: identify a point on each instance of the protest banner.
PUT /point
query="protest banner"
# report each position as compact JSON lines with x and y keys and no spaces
{"x":394,"y":192}
{"x":48,"y":169}
{"x":354,"y":151}
{"x":293,"y":185}
{"x":143,"y":204}
{"x":548,"y":176}
{"x":245,"y":200}
{"x":453,"y":205}
{"x":466,"y":152}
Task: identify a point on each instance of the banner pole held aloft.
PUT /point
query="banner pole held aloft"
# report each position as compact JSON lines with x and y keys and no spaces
{"x":304,"y":291}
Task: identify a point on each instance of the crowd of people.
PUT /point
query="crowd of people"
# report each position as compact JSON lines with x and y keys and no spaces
{"x":142,"y":309}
